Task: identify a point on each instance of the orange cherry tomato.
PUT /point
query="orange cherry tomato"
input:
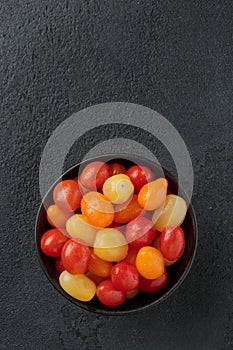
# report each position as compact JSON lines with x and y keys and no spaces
{"x":97,"y":209}
{"x":150,"y":262}
{"x":117,"y":168}
{"x":127,"y":211}
{"x":56,"y":217}
{"x":99,"y":267}
{"x":153,"y":194}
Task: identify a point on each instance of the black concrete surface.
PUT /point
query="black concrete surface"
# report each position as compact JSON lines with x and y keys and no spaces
{"x":58,"y":57}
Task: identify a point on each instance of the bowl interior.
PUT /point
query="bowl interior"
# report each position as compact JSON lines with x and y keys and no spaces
{"x":176,"y":272}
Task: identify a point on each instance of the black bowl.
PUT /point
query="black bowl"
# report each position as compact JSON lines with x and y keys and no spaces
{"x":176,"y":272}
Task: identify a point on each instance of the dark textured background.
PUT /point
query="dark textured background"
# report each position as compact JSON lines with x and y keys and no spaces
{"x":58,"y":57}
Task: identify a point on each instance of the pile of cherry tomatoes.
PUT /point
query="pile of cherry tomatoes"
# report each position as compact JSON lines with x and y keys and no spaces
{"x":114,"y":232}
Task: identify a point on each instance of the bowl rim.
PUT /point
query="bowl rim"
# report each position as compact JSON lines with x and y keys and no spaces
{"x":111,"y":311}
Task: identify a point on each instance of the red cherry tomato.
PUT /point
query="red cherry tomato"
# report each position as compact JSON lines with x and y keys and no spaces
{"x":75,"y":257}
{"x":52,"y":242}
{"x":131,"y":256}
{"x":140,"y":232}
{"x":108,"y":295}
{"x":67,"y":195}
{"x":94,"y":175}
{"x":117,"y":168}
{"x":172,"y":242}
{"x":151,"y":286}
{"x":59,"y":266}
{"x":125,"y":277}
{"x":139,"y":175}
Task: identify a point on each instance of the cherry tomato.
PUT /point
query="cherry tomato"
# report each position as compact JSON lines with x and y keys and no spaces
{"x":96,"y":279}
{"x":150,"y":263}
{"x":94,"y":175}
{"x":97,"y":209}
{"x":78,"y":286}
{"x":153,"y":194}
{"x":110,"y":245}
{"x":67,"y":195}
{"x":140,"y":232}
{"x":117,"y":168}
{"x":172,"y":243}
{"x":124,"y":277}
{"x":117,"y":226}
{"x":59,"y":266}
{"x":75,"y":257}
{"x":78,"y":227}
{"x":151,"y":286}
{"x":99,"y":267}
{"x":133,"y":293}
{"x":139,"y":175}
{"x":108,"y":295}
{"x":118,"y":188}
{"x":56,"y":217}
{"x":127,"y":211}
{"x":172,"y":214}
{"x":52,"y":242}
{"x":132,"y":254}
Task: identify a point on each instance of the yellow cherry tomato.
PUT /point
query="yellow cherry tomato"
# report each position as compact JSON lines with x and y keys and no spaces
{"x":110,"y":245}
{"x":56,"y":217}
{"x":150,"y":262}
{"x":118,"y":188}
{"x":78,"y":227}
{"x":172,"y":214}
{"x":153,"y":194}
{"x":78,"y":286}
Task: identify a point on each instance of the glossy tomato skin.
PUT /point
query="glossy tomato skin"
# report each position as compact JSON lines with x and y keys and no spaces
{"x":125,"y":277}
{"x":59,"y":266}
{"x":151,"y":286}
{"x":75,"y":257}
{"x":56,"y":217}
{"x":95,"y":174}
{"x":97,"y":209}
{"x":127,"y":211}
{"x":67,"y":195}
{"x":53,"y":241}
{"x":132,"y":254}
{"x":99,"y":267}
{"x":140,"y":232}
{"x":172,"y":241}
{"x":150,"y":262}
{"x":139,"y":175}
{"x":108,"y":295}
{"x":117,"y":168}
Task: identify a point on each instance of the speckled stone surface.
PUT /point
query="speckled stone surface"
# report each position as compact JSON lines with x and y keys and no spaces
{"x":58,"y":57}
